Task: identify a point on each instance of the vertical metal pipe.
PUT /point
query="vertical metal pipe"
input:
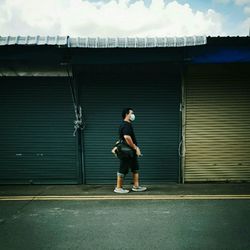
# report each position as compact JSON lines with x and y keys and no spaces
{"x":74,"y":88}
{"x":183,"y":123}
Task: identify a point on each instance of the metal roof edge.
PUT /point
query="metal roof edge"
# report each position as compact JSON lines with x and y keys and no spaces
{"x":135,"y":42}
{"x":34,"y":40}
{"x":122,"y":42}
{"x":104,"y":42}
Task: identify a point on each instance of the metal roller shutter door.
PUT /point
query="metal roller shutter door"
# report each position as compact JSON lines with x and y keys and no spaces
{"x":36,"y":128}
{"x":156,"y":101}
{"x":218,"y":123}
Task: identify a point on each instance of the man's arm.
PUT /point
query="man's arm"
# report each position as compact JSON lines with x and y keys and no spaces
{"x":131,"y":144}
{"x":130,"y":141}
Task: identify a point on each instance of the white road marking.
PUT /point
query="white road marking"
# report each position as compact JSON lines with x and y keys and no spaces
{"x":124,"y":197}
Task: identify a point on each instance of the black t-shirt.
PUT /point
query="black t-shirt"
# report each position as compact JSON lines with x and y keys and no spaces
{"x":126,"y":128}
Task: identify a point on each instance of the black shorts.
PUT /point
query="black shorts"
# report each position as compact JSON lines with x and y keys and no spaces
{"x":129,"y":163}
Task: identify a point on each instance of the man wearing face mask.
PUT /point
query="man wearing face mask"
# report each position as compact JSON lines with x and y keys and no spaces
{"x":126,"y":133}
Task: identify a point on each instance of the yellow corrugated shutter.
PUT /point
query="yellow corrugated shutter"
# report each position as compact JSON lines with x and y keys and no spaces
{"x":217,"y":123}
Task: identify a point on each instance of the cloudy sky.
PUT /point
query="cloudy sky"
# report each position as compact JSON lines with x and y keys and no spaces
{"x":124,"y":18}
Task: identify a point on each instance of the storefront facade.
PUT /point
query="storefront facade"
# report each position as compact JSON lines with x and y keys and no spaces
{"x":191,"y":106}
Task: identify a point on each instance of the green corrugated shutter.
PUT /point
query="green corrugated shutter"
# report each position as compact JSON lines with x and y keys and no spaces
{"x":217,"y":123}
{"x":155,"y":98}
{"x":36,"y":129}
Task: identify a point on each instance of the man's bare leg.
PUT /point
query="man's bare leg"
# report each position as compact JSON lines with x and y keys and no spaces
{"x":136,"y":179}
{"x":119,"y":189}
{"x":136,"y":186}
{"x":119,"y":181}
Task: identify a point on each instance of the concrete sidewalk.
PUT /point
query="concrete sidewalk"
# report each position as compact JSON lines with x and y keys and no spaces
{"x":93,"y":190}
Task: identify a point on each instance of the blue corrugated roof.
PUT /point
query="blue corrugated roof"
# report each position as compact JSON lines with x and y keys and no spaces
{"x":97,"y":42}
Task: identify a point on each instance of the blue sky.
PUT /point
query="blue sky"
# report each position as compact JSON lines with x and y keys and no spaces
{"x":229,"y":10}
{"x":125,"y":18}
{"x":233,"y":13}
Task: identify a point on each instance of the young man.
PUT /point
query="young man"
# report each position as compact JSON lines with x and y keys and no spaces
{"x":126,"y":133}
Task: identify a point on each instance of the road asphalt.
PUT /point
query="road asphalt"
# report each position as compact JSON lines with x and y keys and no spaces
{"x":129,"y":223}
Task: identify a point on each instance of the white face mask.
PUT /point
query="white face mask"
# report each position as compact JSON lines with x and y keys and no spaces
{"x":132,"y":117}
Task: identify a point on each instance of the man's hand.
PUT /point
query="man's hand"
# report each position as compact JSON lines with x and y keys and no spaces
{"x":138,"y":151}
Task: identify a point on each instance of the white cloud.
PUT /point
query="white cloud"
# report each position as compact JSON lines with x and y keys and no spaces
{"x":113,"y":18}
{"x":242,"y":2}
{"x":247,"y":10}
{"x":244,"y":27}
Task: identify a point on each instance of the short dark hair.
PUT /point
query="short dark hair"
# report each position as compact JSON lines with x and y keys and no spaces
{"x":125,"y":112}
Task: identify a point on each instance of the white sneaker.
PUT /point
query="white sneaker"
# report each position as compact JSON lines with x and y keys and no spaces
{"x":121,"y":191}
{"x":139,"y":189}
